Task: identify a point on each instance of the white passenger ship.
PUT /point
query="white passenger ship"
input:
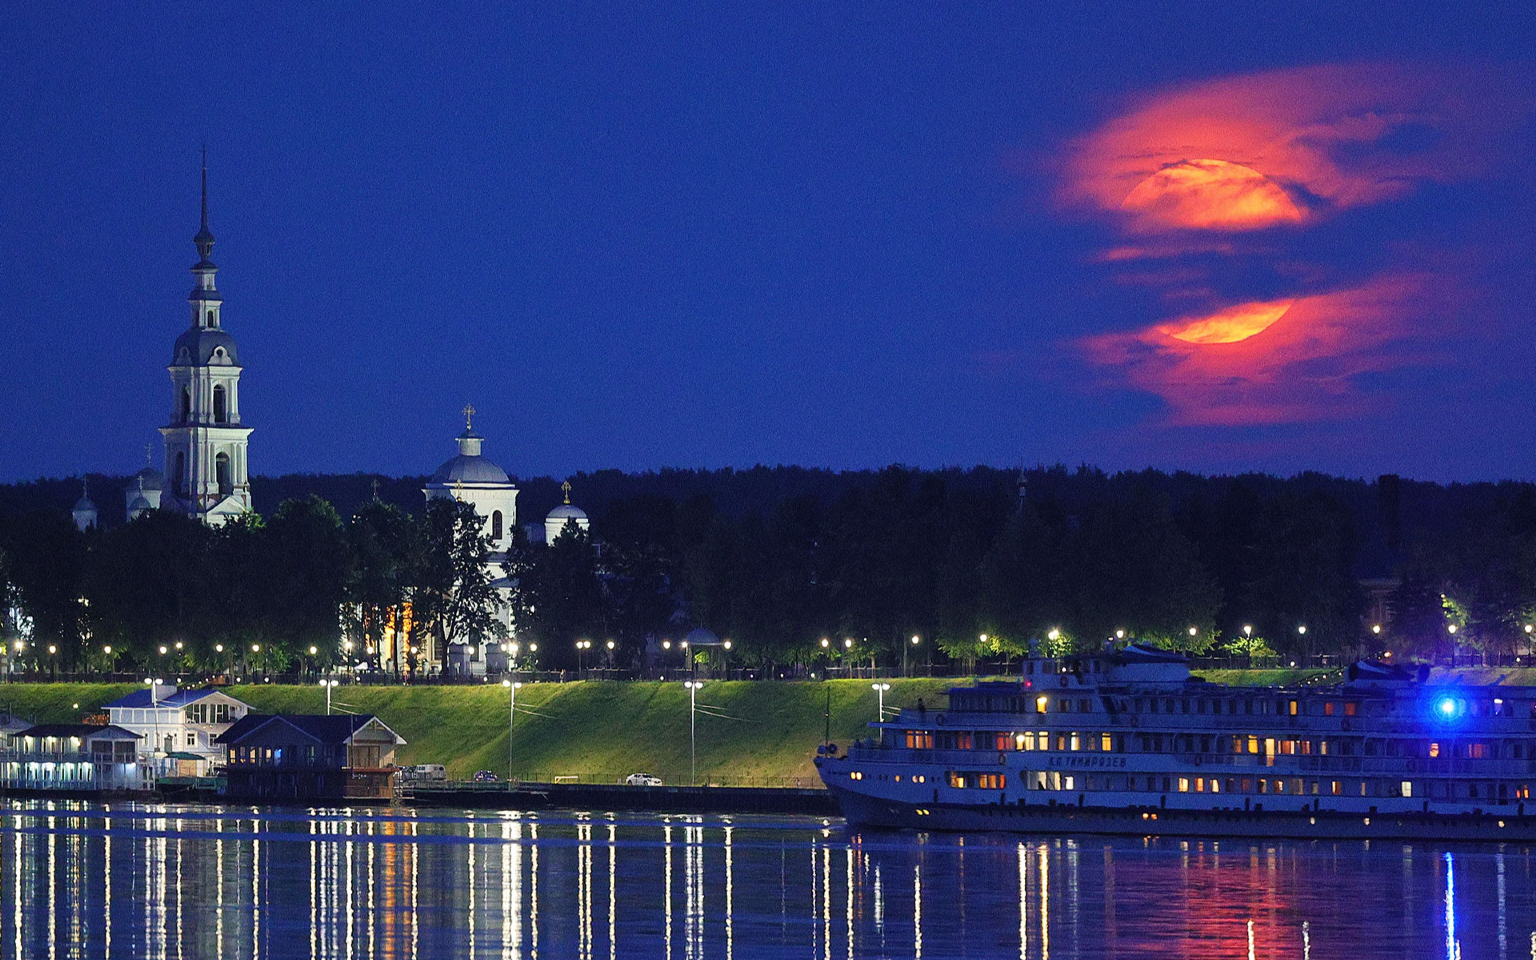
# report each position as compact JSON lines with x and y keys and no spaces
{"x":1127,"y":741}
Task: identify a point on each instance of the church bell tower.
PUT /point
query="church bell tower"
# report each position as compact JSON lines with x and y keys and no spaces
{"x":205,"y":443}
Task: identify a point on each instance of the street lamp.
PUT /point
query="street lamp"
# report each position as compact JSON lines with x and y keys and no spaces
{"x":693,"y":740}
{"x":329,"y":685}
{"x":880,"y":689}
{"x":512,"y":688}
{"x":582,"y":646}
{"x":915,"y":641}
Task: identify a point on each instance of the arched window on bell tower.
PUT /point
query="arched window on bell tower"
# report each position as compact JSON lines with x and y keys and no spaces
{"x":220,"y":408}
{"x":181,"y":473}
{"x":496,"y":525}
{"x":186,"y":404}
{"x":221,"y":468}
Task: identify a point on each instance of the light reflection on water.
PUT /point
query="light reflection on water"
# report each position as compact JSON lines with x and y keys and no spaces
{"x":124,"y":880}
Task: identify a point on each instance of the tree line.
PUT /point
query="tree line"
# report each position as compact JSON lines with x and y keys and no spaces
{"x":792,"y":565}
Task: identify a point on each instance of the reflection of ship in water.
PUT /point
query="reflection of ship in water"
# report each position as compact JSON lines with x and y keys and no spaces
{"x":1129,"y":742}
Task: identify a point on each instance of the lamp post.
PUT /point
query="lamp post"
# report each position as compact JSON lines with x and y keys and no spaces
{"x":725,"y":658}
{"x":880,"y":689}
{"x":693,"y":740}
{"x":329,"y":685}
{"x":512,"y":687}
{"x":1450,"y":628}
{"x":610,"y":645}
{"x":847,"y":649}
{"x":582,"y":646}
{"x":915,"y":641}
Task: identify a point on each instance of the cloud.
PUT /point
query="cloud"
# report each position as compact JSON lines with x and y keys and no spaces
{"x":1296,"y":360}
{"x":1282,"y":147}
{"x":1213,"y":194}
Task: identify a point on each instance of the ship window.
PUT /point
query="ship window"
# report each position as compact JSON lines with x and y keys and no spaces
{"x":1407,"y":788}
{"x":1253,"y":744}
{"x":1350,"y":709}
{"x":1084,"y":707}
{"x":1294,"y":708}
{"x":1020,"y":740}
{"x":1477,"y":751}
{"x":1075,"y":740}
{"x":1183,"y":784}
{"x":1105,"y":743}
{"x":1064,"y":706}
{"x":1040,"y":704}
{"x":963,"y":741}
{"x":1328,"y":709}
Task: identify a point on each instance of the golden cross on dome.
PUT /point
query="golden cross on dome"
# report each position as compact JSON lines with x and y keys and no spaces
{"x":469,"y":412}
{"x":566,"y":486}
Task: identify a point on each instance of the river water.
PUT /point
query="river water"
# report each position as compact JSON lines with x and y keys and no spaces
{"x":155,"y":881}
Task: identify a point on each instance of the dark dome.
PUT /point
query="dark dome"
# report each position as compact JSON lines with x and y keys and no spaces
{"x":152,"y":479}
{"x":200,"y":344}
{"x":469,"y":469}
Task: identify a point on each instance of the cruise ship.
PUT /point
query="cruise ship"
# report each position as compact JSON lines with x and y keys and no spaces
{"x":1127,"y":741}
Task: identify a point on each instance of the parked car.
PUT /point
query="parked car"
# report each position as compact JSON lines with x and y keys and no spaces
{"x":486,"y":776}
{"x":642,"y":780}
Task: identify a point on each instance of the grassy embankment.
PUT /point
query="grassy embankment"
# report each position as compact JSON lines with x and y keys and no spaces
{"x":607,"y":730}
{"x":599,"y":730}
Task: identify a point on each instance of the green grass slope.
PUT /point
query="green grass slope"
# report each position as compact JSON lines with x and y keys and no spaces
{"x":600,"y":731}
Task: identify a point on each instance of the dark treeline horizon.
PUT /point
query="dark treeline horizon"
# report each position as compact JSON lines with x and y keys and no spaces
{"x":778,"y":557}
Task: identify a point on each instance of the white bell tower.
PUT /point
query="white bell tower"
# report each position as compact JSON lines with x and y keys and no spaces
{"x":205,"y":444}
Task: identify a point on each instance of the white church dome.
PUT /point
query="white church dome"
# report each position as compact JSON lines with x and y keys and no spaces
{"x":567,"y":511}
{"x":469,"y":466}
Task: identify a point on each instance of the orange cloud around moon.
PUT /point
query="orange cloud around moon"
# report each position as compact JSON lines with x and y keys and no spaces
{"x":1268,"y":363}
{"x":1279,"y":147}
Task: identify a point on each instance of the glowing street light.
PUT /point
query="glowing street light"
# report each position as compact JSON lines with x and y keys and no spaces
{"x":1194,"y":631}
{"x":1376,"y":629}
{"x":1302,"y":630}
{"x":915,"y":641}
{"x":512,"y":688}
{"x":693,"y":740}
{"x":329,"y":685}
{"x":880,"y":689}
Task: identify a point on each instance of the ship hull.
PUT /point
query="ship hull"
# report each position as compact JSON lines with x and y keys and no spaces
{"x":863,"y":811}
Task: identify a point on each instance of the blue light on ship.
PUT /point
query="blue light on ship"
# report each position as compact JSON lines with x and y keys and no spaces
{"x":1446,"y":706}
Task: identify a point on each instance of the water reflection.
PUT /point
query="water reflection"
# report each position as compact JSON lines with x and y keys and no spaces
{"x":148,"y":881}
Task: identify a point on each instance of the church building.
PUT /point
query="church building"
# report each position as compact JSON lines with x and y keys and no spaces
{"x":472,"y":478}
{"x":206,"y":471}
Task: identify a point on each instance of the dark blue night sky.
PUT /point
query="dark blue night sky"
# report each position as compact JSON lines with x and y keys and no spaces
{"x":1212,"y":237}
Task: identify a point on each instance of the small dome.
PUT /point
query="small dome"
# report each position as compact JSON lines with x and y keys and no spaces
{"x":567,"y":511}
{"x":467,"y":469}
{"x":701,"y":638}
{"x":147,"y":479}
{"x":84,"y":505}
{"x":200,"y":345}
{"x":138,"y":506}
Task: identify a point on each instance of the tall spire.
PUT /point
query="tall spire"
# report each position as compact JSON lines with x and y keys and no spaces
{"x":204,"y":238}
